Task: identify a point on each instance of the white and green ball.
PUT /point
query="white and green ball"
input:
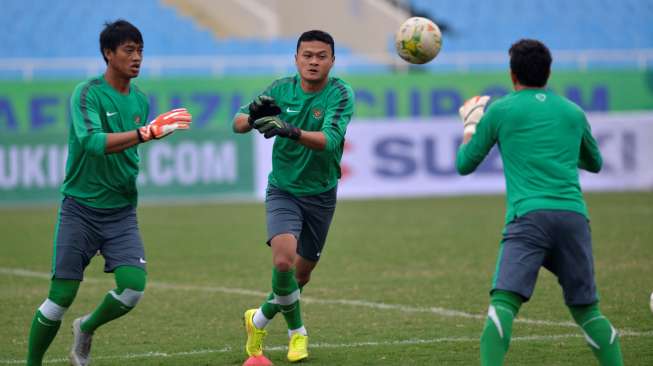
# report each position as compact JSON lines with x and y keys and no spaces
{"x":418,"y":40}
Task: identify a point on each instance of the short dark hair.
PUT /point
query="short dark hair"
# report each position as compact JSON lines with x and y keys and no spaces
{"x":317,"y":35}
{"x":530,"y":61}
{"x":116,"y":33}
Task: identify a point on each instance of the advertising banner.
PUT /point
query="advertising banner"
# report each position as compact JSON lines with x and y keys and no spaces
{"x":383,"y":158}
{"x":411,"y":158}
{"x":188,"y":165}
{"x":43,"y":106}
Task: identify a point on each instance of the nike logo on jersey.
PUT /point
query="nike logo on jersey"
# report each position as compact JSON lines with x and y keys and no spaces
{"x":109,"y":114}
{"x":288,"y":110}
{"x":142,"y":260}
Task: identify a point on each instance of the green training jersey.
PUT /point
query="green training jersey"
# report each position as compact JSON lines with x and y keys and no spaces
{"x":296,"y":168}
{"x":92,"y":177}
{"x":543,"y":139}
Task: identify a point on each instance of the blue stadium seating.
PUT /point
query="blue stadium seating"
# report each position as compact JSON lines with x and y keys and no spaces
{"x":70,"y":28}
{"x":561,"y":24}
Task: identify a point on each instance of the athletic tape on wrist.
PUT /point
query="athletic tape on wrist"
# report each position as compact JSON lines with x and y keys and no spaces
{"x":470,"y":129}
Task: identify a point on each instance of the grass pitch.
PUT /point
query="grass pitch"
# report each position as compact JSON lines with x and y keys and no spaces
{"x":401,"y":282}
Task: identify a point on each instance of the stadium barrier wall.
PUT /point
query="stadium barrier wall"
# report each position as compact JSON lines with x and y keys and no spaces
{"x":383,"y":158}
{"x":412,"y":158}
{"x":186,"y":166}
{"x":43,"y":106}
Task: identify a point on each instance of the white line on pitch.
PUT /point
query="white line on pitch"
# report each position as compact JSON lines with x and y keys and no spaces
{"x":405,"y":342}
{"x":360,"y":303}
{"x":131,"y":356}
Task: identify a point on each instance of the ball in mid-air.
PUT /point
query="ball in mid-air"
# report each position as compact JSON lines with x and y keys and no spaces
{"x":418,"y":40}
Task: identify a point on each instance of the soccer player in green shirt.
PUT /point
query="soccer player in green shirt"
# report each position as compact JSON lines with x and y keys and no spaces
{"x":98,"y":211}
{"x":309,"y":113}
{"x":543,"y":139}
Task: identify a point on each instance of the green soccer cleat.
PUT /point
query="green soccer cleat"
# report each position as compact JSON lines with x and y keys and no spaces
{"x":255,"y":336}
{"x":298,"y":348}
{"x":80,"y":353}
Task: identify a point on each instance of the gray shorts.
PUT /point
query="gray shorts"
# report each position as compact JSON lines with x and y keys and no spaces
{"x":558,"y":240}
{"x":82,"y":230}
{"x":307,"y":217}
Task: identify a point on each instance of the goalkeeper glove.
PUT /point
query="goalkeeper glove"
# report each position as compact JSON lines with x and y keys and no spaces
{"x":262,"y":106}
{"x":472,"y":111}
{"x":165,"y":124}
{"x":273,"y":126}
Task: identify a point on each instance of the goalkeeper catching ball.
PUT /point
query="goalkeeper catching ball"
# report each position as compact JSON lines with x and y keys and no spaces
{"x":544,"y":139}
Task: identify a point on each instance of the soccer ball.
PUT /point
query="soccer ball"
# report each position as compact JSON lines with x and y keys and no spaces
{"x":418,"y":40}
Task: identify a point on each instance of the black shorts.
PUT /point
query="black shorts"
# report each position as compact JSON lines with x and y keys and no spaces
{"x":558,"y":240}
{"x":306,"y":217}
{"x":82,"y":231}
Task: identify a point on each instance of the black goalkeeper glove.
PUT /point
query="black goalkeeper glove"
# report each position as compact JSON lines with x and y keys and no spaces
{"x":273,"y":126}
{"x":262,"y":106}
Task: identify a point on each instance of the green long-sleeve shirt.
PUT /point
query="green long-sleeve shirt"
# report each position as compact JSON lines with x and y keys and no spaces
{"x":92,"y":177}
{"x":296,"y":168}
{"x":543,"y":139}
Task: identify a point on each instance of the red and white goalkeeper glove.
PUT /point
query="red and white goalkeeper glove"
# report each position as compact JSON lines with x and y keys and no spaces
{"x":165,"y":124}
{"x":472,"y":111}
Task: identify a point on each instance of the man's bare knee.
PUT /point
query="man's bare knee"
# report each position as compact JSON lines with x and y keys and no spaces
{"x":283,"y":264}
{"x":303,"y":278}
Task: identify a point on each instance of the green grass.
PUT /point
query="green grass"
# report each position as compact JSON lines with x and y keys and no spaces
{"x":416,"y":254}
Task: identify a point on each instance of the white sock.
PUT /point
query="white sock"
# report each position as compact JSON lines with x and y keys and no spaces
{"x":301,"y":330}
{"x":52,"y":311}
{"x":259,"y":320}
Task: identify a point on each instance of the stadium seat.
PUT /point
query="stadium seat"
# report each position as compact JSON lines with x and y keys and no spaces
{"x":563,"y":25}
{"x":40,"y":29}
{"x":70,"y":28}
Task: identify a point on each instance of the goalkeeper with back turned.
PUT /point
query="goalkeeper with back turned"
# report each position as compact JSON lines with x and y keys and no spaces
{"x":544,"y":139}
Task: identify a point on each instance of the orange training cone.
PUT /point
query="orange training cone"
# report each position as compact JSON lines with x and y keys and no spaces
{"x":258,"y":361}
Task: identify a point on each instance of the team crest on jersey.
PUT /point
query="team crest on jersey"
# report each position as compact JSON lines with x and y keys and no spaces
{"x":317,"y":112}
{"x":137,"y":119}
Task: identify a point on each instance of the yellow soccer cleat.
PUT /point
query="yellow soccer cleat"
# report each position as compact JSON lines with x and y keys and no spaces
{"x":255,"y":336}
{"x":298,"y":348}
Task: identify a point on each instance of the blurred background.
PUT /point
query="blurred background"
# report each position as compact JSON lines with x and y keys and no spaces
{"x":214,"y":56}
